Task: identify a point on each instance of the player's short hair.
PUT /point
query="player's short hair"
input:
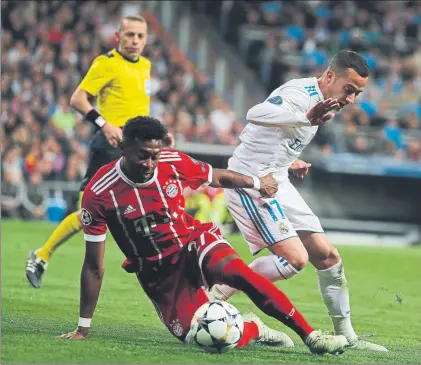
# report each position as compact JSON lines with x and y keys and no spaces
{"x":346,"y":59}
{"x":144,"y":128}
{"x":133,"y":18}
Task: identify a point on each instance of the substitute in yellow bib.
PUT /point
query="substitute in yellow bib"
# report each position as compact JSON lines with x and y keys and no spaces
{"x":120,"y":82}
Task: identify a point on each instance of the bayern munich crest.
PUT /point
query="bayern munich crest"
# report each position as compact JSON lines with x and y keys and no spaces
{"x":171,"y":189}
{"x":176,"y":328}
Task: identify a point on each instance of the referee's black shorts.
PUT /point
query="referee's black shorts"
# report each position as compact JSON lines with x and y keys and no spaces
{"x":101,"y":153}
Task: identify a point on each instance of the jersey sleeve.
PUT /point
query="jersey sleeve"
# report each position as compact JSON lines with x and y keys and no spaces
{"x":93,"y":217}
{"x":99,"y":75}
{"x":284,"y":107}
{"x":193,"y":173}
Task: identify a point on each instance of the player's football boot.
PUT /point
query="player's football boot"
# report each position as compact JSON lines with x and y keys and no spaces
{"x":320,"y":343}
{"x":267,"y":335}
{"x":360,"y":344}
{"x":35,"y":267}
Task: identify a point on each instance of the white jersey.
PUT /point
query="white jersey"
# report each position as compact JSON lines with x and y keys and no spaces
{"x":274,"y":148}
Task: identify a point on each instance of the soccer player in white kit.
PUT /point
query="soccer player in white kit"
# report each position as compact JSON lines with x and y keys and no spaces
{"x":278,"y":129}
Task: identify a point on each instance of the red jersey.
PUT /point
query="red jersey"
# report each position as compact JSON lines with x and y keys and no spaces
{"x":147,"y":220}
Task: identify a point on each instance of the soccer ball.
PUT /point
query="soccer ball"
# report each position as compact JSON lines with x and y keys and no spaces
{"x":217,"y":326}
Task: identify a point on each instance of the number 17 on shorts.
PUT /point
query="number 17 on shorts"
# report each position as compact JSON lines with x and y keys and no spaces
{"x":275,"y":211}
{"x":262,"y":222}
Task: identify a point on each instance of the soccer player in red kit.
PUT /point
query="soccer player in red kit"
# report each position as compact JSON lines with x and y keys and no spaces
{"x":139,"y":198}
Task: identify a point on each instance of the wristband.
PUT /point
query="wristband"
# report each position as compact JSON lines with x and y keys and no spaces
{"x":96,"y":118}
{"x":84,"y":322}
{"x":256,"y":183}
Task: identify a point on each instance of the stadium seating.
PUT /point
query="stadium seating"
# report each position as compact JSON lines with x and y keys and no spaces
{"x":281,"y":40}
{"x":47,"y":47}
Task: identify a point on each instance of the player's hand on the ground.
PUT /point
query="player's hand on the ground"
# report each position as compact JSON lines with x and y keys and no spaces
{"x":79,"y":334}
{"x":322,"y":111}
{"x":113,"y":134}
{"x":268,"y":186}
{"x":300,"y":168}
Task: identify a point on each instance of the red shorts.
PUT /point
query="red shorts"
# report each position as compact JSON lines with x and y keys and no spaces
{"x":175,"y":287}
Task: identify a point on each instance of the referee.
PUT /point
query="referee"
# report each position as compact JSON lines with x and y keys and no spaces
{"x":120,"y":81}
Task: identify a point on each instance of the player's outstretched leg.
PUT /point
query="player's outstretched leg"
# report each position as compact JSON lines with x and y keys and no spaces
{"x":274,"y":303}
{"x":38,"y":260}
{"x":274,"y":267}
{"x":333,"y":288}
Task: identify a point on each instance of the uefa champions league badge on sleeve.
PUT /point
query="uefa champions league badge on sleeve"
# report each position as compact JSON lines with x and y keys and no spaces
{"x":86,"y":217}
{"x":277,"y":100}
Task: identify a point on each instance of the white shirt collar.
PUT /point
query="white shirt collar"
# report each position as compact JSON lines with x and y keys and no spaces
{"x":128,"y":181}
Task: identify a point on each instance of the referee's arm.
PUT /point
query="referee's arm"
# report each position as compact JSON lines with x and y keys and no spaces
{"x":80,"y":102}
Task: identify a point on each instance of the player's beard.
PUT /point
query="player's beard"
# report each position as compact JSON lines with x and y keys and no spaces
{"x":147,"y":176}
{"x":136,"y":173}
{"x":141,"y":176}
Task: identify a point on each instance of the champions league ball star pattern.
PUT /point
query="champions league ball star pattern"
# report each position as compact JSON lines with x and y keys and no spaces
{"x":218,"y":326}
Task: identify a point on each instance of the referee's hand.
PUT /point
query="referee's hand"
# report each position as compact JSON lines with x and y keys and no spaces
{"x":113,"y":134}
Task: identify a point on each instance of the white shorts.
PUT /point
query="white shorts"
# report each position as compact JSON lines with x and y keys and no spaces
{"x":266,"y":221}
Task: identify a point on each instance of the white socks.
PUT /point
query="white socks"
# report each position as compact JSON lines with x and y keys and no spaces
{"x":333,"y":288}
{"x":285,"y":269}
{"x":272,"y":267}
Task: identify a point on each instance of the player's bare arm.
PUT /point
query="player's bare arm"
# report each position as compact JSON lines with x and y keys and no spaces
{"x":299,"y":168}
{"x":322,"y":111}
{"x":266,"y":185}
{"x":80,"y":102}
{"x":282,"y":113}
{"x":91,"y":280}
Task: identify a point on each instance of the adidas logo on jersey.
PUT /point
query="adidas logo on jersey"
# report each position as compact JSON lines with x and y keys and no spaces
{"x":129,"y":209}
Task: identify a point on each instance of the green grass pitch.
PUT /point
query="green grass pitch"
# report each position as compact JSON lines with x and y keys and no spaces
{"x":127,"y":330}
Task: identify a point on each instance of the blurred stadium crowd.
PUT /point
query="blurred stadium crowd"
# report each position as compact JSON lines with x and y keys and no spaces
{"x":282,"y":40}
{"x":48,"y":46}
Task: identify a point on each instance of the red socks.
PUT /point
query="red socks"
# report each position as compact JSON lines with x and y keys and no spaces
{"x":265,"y":295}
{"x":250,"y":332}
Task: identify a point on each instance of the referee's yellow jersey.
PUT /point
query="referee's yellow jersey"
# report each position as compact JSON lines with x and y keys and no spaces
{"x":122,"y":86}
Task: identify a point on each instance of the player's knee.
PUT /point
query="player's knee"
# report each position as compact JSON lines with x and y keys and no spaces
{"x":329,"y":258}
{"x":299,"y":260}
{"x":288,"y":269}
{"x":334,"y":254}
{"x":292,"y":251}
